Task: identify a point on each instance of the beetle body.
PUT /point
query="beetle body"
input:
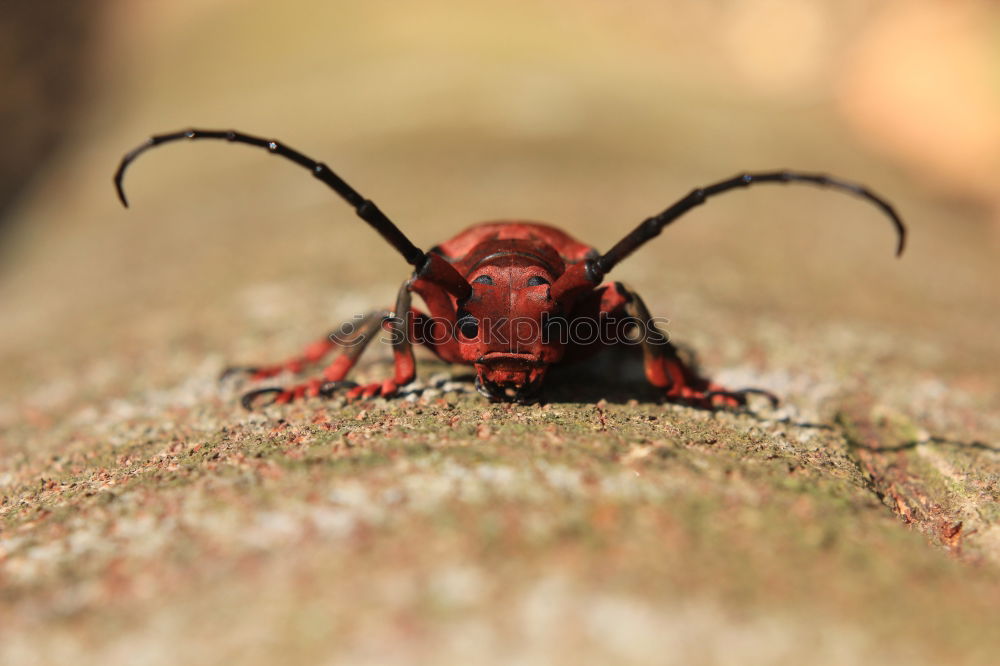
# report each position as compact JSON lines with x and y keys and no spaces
{"x":511,"y":299}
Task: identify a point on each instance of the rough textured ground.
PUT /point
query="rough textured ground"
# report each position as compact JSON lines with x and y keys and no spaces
{"x":146,"y":518}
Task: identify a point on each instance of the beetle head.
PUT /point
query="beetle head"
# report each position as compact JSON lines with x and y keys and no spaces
{"x":507,"y":328}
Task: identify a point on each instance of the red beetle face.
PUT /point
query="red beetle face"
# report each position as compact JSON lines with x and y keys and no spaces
{"x":506,"y":328}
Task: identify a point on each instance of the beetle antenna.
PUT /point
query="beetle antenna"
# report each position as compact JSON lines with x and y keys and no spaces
{"x":652,"y":227}
{"x":365,"y":209}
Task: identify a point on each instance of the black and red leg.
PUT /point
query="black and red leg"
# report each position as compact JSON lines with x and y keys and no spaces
{"x":402,"y":330}
{"x":313,"y":353}
{"x":353,"y":344}
{"x":664,"y":368}
{"x":663,"y":365}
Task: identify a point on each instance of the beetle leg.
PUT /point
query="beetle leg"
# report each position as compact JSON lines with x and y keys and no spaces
{"x":248,"y":398}
{"x":666,"y":370}
{"x":353,"y":343}
{"x":313,"y":353}
{"x":346,"y":336}
{"x":741,"y":395}
{"x":403,"y":330}
{"x":401,"y":326}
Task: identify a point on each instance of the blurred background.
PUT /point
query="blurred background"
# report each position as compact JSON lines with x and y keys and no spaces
{"x":587,"y":114}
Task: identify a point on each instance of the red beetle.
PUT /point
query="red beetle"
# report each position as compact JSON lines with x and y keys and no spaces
{"x":509,"y":298}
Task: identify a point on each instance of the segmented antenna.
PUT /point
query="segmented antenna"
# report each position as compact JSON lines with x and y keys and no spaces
{"x":652,"y":227}
{"x":365,"y":209}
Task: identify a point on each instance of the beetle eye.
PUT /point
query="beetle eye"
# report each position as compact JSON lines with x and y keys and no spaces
{"x":536,"y":281}
{"x":483,"y":279}
{"x":468,"y":326}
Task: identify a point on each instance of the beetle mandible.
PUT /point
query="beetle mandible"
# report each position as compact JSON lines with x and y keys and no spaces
{"x":496,"y":276}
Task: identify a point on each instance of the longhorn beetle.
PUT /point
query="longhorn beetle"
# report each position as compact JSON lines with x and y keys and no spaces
{"x":501,"y":296}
